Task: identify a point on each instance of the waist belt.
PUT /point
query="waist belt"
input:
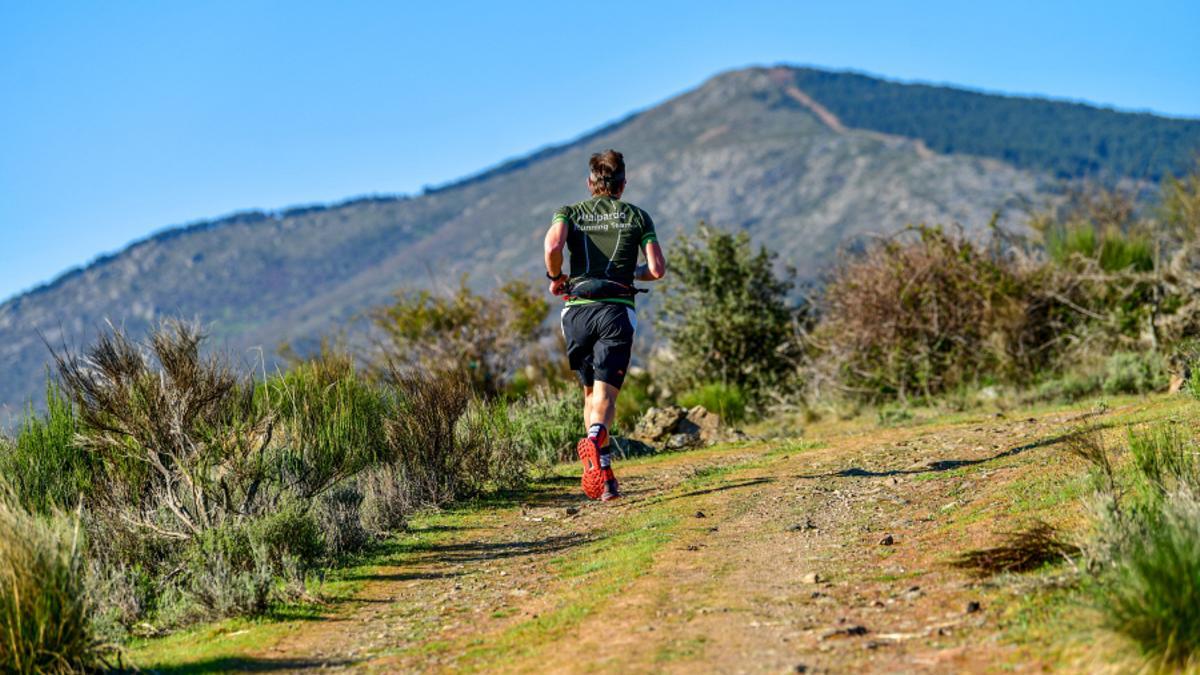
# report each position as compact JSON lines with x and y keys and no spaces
{"x":601,"y":289}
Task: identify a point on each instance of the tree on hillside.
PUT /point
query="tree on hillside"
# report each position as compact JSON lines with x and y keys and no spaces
{"x":725,"y":313}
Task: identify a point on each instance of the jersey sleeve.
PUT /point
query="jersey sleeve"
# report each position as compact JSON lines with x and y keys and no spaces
{"x":562,"y":215}
{"x":648,"y":234}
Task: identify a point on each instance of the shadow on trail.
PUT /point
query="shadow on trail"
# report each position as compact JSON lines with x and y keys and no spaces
{"x":941,"y":465}
{"x":720,"y":488}
{"x":471,"y":552}
{"x":233,"y":664}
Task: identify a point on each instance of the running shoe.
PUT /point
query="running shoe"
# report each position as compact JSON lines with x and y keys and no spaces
{"x":593,"y":477}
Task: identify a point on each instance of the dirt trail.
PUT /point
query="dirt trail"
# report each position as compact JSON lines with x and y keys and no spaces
{"x":766,"y":557}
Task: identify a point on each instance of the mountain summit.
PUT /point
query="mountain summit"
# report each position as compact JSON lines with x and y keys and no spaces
{"x":805,"y":160}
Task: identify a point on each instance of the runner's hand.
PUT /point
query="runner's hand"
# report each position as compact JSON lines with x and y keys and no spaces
{"x":558,"y":286}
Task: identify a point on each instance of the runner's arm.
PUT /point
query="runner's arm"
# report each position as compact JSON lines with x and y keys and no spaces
{"x":556,"y":240}
{"x":656,"y":263}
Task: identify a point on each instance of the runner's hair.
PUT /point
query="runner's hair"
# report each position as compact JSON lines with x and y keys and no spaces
{"x":608,"y":173}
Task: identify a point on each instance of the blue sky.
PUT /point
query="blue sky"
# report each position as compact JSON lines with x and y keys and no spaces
{"x":120,"y":118}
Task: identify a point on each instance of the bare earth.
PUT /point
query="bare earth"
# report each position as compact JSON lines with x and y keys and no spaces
{"x":829,"y":554}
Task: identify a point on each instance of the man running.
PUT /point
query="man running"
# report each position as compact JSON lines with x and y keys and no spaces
{"x":604,"y":236}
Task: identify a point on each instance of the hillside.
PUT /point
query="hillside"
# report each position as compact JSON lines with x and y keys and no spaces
{"x":773,"y":151}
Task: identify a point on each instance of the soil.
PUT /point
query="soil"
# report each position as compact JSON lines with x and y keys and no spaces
{"x":828,"y":554}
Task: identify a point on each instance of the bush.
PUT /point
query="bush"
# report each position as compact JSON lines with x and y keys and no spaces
{"x":45,"y":611}
{"x":488,"y":337}
{"x":547,"y":424}
{"x":1119,"y":373}
{"x":1152,"y":595}
{"x":446,"y":443}
{"x":919,"y":319}
{"x":1134,"y":373}
{"x":726,"y":400}
{"x":725,"y":314}
{"x":1148,"y":549}
{"x":174,"y":434}
{"x":330,"y":423}
{"x":45,"y":465}
{"x":339,"y":516}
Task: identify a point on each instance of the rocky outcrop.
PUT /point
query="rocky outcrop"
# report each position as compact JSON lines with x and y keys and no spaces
{"x":676,"y":428}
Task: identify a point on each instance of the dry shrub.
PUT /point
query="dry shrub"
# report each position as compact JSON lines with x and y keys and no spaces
{"x":1022,"y":550}
{"x":174,"y":432}
{"x":446,"y":443}
{"x":918,"y":317}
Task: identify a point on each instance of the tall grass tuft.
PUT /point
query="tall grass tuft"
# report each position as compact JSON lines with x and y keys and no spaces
{"x":1153,"y":593}
{"x":45,"y":615}
{"x":1148,"y":549}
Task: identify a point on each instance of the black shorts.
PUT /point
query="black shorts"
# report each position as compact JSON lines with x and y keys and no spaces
{"x":599,"y":341}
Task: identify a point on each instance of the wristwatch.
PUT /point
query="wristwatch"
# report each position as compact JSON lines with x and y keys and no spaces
{"x":560,"y":275}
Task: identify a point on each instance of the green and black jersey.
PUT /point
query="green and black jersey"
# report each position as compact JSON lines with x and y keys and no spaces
{"x":604,"y":236}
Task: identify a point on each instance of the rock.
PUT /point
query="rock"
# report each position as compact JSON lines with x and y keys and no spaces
{"x":708,"y":423}
{"x":973,"y":606}
{"x":801,"y":668}
{"x":700,"y":514}
{"x":677,"y":428}
{"x":684,"y":440}
{"x":887,"y":540}
{"x":572,"y":510}
{"x":811,"y":578}
{"x":658,"y":424}
{"x":1177,"y":382}
{"x":628,"y":448}
{"x":848,"y":631}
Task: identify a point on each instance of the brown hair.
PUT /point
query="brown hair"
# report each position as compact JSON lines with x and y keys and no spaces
{"x":608,"y":173}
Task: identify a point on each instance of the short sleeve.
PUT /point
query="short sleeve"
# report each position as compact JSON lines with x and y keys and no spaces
{"x":648,"y":234}
{"x":563,"y":215}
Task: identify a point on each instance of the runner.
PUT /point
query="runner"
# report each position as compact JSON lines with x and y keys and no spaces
{"x":604,"y":236}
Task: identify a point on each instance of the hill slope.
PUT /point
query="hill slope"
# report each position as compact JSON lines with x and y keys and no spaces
{"x":752,"y":149}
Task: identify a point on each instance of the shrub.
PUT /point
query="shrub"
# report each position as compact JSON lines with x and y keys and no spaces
{"x":175,"y":433}
{"x":329,"y":423}
{"x":1151,"y":595}
{"x":45,"y":465}
{"x":547,"y":424}
{"x":1134,"y":373}
{"x":226,"y":575}
{"x":725,"y":314}
{"x":726,"y":400}
{"x":339,"y":516}
{"x":919,"y":318}
{"x":45,"y":612}
{"x":488,"y":337}
{"x":387,"y":499}
{"x":448,"y":444}
{"x":1148,"y":549}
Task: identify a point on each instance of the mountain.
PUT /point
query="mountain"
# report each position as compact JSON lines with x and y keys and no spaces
{"x":805,"y":160}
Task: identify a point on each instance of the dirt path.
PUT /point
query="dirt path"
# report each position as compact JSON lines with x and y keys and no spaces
{"x":825,"y":556}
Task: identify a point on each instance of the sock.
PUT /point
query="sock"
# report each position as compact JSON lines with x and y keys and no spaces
{"x":598,"y":434}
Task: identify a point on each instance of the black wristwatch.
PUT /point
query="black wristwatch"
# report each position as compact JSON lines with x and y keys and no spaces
{"x":560,"y":275}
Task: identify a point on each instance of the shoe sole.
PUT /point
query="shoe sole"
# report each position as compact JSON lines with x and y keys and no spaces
{"x":593,"y":478}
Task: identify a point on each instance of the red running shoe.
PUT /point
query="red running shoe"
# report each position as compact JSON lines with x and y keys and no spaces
{"x":593,"y":476}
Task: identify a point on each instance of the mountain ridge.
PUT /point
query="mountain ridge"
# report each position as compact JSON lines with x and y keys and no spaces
{"x":738,"y":150}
